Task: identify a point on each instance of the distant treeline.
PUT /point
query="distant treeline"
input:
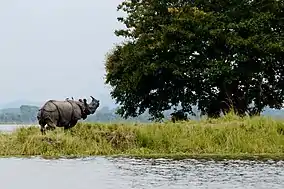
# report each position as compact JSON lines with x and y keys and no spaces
{"x":27,"y":114}
{"x":24,"y":114}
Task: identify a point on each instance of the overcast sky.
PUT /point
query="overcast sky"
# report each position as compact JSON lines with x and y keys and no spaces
{"x":56,"y":48}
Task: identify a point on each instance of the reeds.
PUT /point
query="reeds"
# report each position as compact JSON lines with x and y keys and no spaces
{"x":229,"y":136}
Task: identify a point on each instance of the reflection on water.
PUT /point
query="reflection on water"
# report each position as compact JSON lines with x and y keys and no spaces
{"x":132,"y":173}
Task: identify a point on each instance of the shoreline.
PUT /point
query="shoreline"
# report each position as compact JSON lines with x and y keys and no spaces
{"x":18,"y":124}
{"x":198,"y":157}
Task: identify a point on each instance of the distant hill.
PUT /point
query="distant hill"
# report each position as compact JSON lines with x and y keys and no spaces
{"x":18,"y":103}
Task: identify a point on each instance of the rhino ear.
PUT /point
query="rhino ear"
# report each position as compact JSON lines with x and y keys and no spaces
{"x":85,"y":101}
{"x":80,"y":100}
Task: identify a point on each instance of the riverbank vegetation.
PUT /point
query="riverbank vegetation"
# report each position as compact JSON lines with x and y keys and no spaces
{"x":226,"y":137}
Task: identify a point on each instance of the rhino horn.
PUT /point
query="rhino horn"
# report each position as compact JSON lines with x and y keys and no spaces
{"x":93,"y":99}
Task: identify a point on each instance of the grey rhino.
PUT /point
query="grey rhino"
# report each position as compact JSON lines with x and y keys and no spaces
{"x":64,"y":113}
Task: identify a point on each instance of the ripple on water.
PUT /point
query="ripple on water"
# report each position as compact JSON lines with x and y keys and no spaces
{"x":202,"y":174}
{"x":100,"y":172}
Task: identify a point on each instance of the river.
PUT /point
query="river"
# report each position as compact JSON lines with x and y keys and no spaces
{"x":126,"y":173}
{"x":10,"y":128}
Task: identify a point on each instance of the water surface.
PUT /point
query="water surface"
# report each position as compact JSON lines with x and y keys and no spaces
{"x":126,"y":173}
{"x":11,"y":127}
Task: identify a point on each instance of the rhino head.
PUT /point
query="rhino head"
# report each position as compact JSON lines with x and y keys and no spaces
{"x":93,"y":106}
{"x":90,"y":108}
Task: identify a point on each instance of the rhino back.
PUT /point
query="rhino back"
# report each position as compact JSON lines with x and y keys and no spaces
{"x":49,"y":106}
{"x":57,"y":111}
{"x":65,"y":112}
{"x":69,"y":110}
{"x":76,"y":114}
{"x":61,"y":112}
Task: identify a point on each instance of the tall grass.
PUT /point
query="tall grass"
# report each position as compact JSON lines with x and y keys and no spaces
{"x":229,"y":136}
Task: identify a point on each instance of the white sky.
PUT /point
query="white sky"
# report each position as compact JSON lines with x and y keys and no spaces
{"x":56,"y":48}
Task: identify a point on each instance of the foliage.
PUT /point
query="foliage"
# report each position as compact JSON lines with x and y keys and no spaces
{"x":24,"y":114}
{"x":217,"y":55}
{"x":230,"y":136}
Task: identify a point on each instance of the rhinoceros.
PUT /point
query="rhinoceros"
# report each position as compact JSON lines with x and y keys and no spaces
{"x":64,"y":113}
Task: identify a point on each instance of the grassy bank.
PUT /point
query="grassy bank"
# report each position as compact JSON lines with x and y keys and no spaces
{"x":229,"y":137}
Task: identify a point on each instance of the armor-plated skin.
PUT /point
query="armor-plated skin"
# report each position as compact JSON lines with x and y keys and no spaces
{"x":65,"y":113}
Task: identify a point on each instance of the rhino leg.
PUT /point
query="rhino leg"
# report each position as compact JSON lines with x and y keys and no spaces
{"x":72,"y":124}
{"x":50,"y":125}
{"x":50,"y":128}
{"x":42,"y":127}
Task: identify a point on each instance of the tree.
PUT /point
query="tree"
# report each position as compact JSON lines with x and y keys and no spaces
{"x":215,"y":55}
{"x":28,"y":113}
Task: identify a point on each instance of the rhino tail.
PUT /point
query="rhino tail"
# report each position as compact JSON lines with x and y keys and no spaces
{"x":40,"y":117}
{"x":39,"y":114}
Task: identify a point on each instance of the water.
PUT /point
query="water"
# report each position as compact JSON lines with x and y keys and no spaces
{"x":126,"y":173}
{"x":10,"y":128}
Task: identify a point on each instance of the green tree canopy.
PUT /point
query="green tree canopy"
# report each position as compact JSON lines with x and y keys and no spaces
{"x":215,"y":55}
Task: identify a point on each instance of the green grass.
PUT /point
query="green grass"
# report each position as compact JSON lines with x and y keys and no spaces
{"x":229,"y":137}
